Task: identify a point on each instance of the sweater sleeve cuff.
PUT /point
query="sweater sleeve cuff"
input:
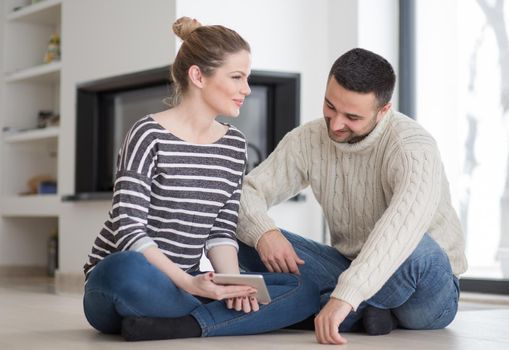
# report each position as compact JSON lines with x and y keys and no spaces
{"x":218,"y":242}
{"x":348,"y":294}
{"x":142,"y":244}
{"x":257,"y":227}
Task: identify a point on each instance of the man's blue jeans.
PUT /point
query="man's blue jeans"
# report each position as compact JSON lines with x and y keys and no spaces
{"x":126,"y":284}
{"x":423,"y":293}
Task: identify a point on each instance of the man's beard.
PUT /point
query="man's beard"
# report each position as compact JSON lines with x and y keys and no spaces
{"x":352,"y":137}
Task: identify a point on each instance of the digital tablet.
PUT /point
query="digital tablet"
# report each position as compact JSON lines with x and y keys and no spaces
{"x":255,"y":281}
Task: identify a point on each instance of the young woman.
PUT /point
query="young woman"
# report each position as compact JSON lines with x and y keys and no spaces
{"x":177,"y":189}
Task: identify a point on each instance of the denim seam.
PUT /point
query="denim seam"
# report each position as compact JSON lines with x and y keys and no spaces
{"x":206,"y":330}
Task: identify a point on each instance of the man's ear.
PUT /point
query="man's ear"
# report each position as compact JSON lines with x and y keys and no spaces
{"x":195,"y":76}
{"x":383,"y":111}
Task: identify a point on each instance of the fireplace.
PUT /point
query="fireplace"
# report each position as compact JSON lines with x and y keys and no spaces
{"x":107,"y":108}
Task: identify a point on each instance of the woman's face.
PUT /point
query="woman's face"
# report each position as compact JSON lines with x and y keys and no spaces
{"x":226,"y":89}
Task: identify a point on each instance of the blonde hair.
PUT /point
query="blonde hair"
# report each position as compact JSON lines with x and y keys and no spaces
{"x":203,"y":46}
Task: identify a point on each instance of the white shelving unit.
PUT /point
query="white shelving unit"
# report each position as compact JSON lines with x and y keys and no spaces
{"x":43,"y":12}
{"x":45,"y":73}
{"x":33,"y":206}
{"x":28,"y":87}
{"x":33,"y":135}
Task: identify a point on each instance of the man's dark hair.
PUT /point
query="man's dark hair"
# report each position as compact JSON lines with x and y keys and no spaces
{"x":364,"y":71}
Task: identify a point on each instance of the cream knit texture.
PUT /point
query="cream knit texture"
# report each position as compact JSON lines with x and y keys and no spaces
{"x":379,"y":197}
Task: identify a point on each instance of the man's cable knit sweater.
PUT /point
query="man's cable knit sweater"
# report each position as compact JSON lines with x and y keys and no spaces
{"x":379,"y":197}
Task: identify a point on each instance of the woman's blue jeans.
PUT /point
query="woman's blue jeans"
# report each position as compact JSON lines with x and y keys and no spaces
{"x":423,"y":292}
{"x":126,"y":284}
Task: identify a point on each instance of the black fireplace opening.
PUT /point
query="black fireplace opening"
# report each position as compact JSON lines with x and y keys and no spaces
{"x":107,"y":108}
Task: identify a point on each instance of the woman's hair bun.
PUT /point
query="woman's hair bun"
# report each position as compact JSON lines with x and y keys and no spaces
{"x":184,"y":26}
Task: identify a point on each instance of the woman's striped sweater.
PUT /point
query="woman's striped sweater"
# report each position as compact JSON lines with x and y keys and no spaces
{"x":178,"y":196}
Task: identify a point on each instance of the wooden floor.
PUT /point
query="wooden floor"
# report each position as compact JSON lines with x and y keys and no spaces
{"x":32,"y":316}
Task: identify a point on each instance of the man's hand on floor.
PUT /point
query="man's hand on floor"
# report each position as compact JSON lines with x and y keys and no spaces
{"x":328,"y":320}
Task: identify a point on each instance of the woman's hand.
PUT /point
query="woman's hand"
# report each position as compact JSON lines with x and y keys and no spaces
{"x":202,"y":285}
{"x":246,"y":304}
{"x":224,"y":260}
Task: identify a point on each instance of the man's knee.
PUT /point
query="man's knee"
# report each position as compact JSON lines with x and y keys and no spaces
{"x":426,"y":318}
{"x":429,"y":252}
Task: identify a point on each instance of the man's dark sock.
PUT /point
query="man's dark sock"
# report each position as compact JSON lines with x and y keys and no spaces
{"x":155,"y":328}
{"x":378,"y":321}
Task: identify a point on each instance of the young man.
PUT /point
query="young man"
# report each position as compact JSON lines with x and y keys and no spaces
{"x":397,"y":245}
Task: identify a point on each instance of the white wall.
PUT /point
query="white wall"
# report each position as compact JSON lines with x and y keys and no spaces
{"x":285,"y":35}
{"x":369,"y":24}
{"x":2,"y":225}
{"x":342,"y":20}
{"x":379,"y":31}
{"x":101,"y":39}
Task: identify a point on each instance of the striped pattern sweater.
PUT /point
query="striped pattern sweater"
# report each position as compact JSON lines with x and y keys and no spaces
{"x":180,"y":197}
{"x":379,"y":197}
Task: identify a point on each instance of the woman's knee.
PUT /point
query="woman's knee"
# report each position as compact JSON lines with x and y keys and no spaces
{"x":118,"y":263}
{"x":100,"y":312}
{"x":124,"y":273}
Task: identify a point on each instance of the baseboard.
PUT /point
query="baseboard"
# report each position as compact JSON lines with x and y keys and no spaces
{"x":23,"y":271}
{"x":69,"y":282}
{"x":483,"y":298}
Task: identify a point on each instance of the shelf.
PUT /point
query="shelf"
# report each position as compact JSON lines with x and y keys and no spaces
{"x":44,"y":205}
{"x":32,"y":135}
{"x":45,"y":73}
{"x":45,"y":12}
{"x":88,"y":196}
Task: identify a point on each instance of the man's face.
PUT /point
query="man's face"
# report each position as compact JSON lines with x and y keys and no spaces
{"x":350,"y":116}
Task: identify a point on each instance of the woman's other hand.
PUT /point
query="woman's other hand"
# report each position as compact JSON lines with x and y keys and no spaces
{"x":246,"y":304}
{"x":202,"y":285}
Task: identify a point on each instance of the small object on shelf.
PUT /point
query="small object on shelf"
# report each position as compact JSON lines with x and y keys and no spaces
{"x":13,"y":130}
{"x":34,"y":185}
{"x":47,"y":187}
{"x":53,"y":51}
{"x":47,"y":118}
